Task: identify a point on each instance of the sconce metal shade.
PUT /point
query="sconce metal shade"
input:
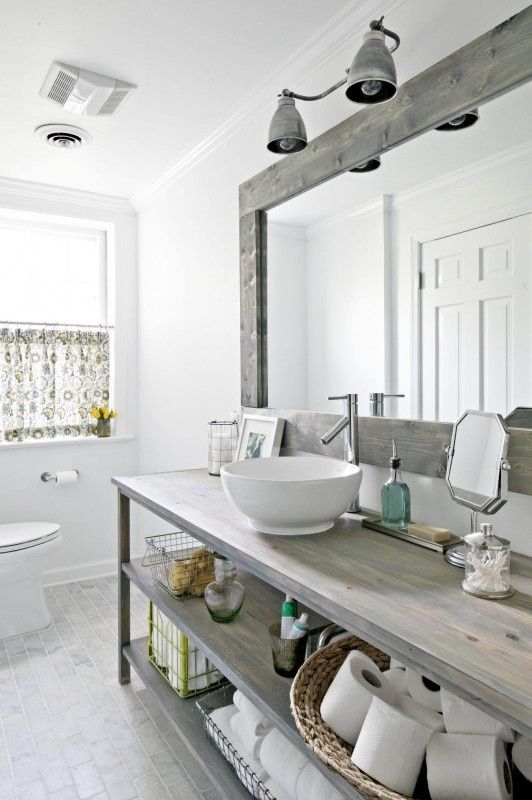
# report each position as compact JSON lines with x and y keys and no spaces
{"x":367,"y":166}
{"x":287,"y":132}
{"x":461,"y":122}
{"x":372,"y":77}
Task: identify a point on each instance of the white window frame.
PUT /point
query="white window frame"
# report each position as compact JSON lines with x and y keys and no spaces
{"x":107,"y":237}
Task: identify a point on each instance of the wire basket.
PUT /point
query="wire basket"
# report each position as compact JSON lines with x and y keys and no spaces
{"x":223,"y":438}
{"x":179,"y":563}
{"x":208,"y":704}
{"x":177,"y":658}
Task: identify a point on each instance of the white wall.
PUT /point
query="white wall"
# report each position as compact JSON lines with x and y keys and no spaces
{"x":346,"y":307}
{"x":86,"y":510}
{"x":287,"y":316}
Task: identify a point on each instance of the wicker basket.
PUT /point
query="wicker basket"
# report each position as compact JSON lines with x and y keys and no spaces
{"x":308,"y":690}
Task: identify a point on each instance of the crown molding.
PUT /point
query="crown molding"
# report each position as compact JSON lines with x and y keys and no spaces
{"x":29,"y":190}
{"x":513,"y":156}
{"x":341,"y":30}
{"x":458,"y":179}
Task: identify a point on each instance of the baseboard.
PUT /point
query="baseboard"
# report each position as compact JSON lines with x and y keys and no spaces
{"x":80,"y":572}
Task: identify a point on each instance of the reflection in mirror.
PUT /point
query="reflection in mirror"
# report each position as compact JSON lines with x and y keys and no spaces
{"x":347,"y":308}
{"x":475,"y":475}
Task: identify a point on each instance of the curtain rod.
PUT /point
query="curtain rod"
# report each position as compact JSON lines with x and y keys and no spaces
{"x":56,"y":325}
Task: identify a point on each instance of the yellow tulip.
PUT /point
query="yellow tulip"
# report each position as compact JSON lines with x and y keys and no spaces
{"x":95,"y":412}
{"x":105,"y":412}
{"x":113,"y":414}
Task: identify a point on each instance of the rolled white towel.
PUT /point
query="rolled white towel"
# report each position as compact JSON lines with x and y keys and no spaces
{"x":282,"y":761}
{"x":462,"y":717}
{"x":258,"y":723}
{"x":395,"y":677}
{"x":312,"y":785}
{"x":243,"y":727}
{"x":277,"y":791}
{"x":222,"y":718}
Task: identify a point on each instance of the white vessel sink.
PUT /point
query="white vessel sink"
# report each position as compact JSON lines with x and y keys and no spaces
{"x":290,"y":496}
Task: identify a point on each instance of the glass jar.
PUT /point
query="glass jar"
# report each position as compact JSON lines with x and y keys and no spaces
{"x":487,"y":565}
{"x":224,"y":595}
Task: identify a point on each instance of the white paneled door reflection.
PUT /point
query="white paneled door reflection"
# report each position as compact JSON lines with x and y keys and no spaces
{"x":476,"y":320}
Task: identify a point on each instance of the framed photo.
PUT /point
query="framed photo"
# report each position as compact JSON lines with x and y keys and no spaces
{"x":259,"y":437}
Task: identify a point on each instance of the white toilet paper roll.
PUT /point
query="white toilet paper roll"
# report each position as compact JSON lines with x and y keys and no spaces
{"x":462,"y":717}
{"x":473,"y":767}
{"x":349,"y":696}
{"x":522,"y":756}
{"x":66,"y":476}
{"x":391,"y":747}
{"x":395,"y":677}
{"x":427,"y":716}
{"x":423,"y":689}
{"x":394,"y":662}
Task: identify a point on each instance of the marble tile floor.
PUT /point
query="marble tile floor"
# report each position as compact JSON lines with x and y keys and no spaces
{"x":68,"y":730}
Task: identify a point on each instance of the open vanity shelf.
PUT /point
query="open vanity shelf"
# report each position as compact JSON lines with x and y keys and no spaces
{"x":241,"y":650}
{"x":401,"y":598}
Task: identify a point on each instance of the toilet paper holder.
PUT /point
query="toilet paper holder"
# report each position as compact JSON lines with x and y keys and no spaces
{"x":46,"y":477}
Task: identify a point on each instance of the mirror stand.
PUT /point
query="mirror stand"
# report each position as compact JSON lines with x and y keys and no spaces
{"x":477,"y":470}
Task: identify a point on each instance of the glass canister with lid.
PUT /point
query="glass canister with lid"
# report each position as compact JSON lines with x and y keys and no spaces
{"x":487,"y":565}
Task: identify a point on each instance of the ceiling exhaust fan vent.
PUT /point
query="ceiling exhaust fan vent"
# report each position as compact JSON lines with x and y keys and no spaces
{"x":64,"y":137}
{"x":62,"y":86}
{"x":83,"y":92}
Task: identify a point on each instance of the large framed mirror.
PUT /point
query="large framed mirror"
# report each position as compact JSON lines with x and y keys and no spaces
{"x":414,"y":279}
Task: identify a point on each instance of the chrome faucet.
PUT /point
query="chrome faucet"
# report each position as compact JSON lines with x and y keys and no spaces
{"x":349,"y":424}
{"x":376,"y":403}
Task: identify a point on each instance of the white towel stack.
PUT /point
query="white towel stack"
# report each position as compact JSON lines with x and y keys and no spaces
{"x":223,"y":718}
{"x":282,"y":761}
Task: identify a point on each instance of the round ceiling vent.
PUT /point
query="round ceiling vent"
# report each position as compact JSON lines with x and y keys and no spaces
{"x":66,"y":137}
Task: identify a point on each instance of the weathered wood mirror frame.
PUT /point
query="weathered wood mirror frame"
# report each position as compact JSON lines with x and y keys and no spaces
{"x":487,"y":67}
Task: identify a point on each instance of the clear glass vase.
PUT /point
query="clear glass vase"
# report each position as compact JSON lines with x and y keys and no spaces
{"x":224,"y":595}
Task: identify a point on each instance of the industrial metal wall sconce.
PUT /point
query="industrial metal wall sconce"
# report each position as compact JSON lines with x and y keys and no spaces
{"x":371,"y":78}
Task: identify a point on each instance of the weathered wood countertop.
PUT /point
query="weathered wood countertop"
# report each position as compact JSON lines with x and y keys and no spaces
{"x":402,"y":598}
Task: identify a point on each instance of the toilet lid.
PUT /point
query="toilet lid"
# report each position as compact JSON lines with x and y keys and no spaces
{"x":18,"y":535}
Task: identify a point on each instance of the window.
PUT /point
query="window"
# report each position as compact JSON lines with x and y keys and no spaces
{"x":55,"y":361}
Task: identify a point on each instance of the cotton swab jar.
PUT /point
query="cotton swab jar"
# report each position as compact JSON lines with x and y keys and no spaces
{"x":487,"y":565}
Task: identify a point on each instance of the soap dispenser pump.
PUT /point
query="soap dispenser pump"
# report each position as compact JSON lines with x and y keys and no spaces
{"x":395,"y":496}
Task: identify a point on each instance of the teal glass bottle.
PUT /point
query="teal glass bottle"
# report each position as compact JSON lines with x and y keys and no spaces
{"x":395,"y":496}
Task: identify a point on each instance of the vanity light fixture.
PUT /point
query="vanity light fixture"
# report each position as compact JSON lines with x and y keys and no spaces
{"x":371,"y":78}
{"x":461,"y":122}
{"x":367,"y":166}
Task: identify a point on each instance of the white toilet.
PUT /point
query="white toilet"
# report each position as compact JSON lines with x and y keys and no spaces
{"x":24,"y":552}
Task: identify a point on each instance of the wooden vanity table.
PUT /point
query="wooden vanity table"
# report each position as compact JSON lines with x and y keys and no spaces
{"x":404,"y":599}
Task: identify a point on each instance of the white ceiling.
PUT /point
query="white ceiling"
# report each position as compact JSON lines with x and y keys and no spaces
{"x":197,"y":65}
{"x":193,"y":62}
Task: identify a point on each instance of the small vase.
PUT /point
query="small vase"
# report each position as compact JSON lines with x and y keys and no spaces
{"x":103,"y":428}
{"x":224,"y":595}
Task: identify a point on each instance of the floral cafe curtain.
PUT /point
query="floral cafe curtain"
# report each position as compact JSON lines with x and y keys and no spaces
{"x":49,"y":380}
